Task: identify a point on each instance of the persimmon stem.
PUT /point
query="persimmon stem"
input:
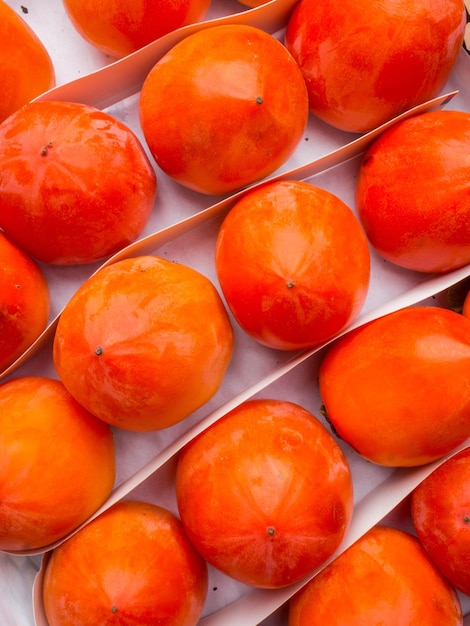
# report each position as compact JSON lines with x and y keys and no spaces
{"x":45,"y":150}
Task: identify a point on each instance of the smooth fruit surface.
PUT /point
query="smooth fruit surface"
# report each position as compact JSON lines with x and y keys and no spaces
{"x":413,"y":192}
{"x":265,"y":494}
{"x":75,"y":183}
{"x":440,"y":509}
{"x":384,"y":578}
{"x":382,"y":386}
{"x":131,"y":565}
{"x":120,"y":27}
{"x":143,"y":343}
{"x":57,"y":463}
{"x":24,"y":301}
{"x":26,"y":69}
{"x":362,"y":66}
{"x":214,"y":112}
{"x":293,"y":263}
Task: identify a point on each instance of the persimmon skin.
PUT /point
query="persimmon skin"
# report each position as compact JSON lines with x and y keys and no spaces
{"x":214,"y":113}
{"x":384,"y":578}
{"x":265,"y":493}
{"x":293,"y":264}
{"x":75,"y":183}
{"x":413,"y":192}
{"x":26,"y":68}
{"x":361,"y":65}
{"x":131,"y":565}
{"x":382,"y":384}
{"x":440,"y":510}
{"x":143,"y":343}
{"x":120,"y":27}
{"x":24,"y":301}
{"x":57,"y":463}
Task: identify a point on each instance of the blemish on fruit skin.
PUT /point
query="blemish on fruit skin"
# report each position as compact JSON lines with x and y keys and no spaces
{"x":259,"y":100}
{"x":114,"y":609}
{"x":466,"y":519}
{"x":99,"y":351}
{"x":290,"y":284}
{"x":270,"y":531}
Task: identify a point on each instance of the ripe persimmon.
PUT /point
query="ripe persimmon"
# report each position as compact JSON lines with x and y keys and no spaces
{"x":75,"y":183}
{"x":293,"y":264}
{"x":366,"y":61}
{"x":26,"y":69}
{"x":215,"y":113}
{"x":413,"y":192}
{"x":120,"y":27}
{"x":384,"y":578}
{"x":143,"y":343}
{"x":440,"y":510}
{"x":57,"y":463}
{"x":382,"y":386}
{"x":24,"y":301}
{"x":133,"y":564}
{"x":265,"y":493}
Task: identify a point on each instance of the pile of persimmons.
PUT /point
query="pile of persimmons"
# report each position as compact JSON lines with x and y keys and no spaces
{"x":265,"y":494}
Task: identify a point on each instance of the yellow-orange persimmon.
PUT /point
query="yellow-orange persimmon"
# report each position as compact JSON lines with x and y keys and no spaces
{"x":24,"y":301}
{"x":131,"y":565}
{"x":57,"y":463}
{"x":143,"y":343}
{"x":26,"y":68}
{"x":384,"y":578}
{"x":365,"y":61}
{"x":120,"y":27}
{"x":223,"y":108}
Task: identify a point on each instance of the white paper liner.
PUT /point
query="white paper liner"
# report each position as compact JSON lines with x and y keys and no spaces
{"x":145,"y":460}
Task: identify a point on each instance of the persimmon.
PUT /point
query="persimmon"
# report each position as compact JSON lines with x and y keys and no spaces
{"x":366,"y":61}
{"x":24,"y":301}
{"x":413,"y":192}
{"x":214,"y":112}
{"x":133,"y":564}
{"x":384,"y":578}
{"x":440,"y":510}
{"x":293,"y":263}
{"x":382,"y":386}
{"x":75,"y":183}
{"x":265,"y":493}
{"x":143,"y":343}
{"x":26,"y":68}
{"x":57,"y":463}
{"x":120,"y":27}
